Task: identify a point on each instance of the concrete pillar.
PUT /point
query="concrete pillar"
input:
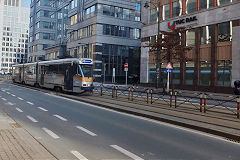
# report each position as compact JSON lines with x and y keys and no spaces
{"x":235,"y":54}
{"x":144,"y":68}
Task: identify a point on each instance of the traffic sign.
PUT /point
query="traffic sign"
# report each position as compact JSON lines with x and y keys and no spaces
{"x":168,"y":70}
{"x":125,"y":69}
{"x":126,"y":65}
{"x":169,"y":66}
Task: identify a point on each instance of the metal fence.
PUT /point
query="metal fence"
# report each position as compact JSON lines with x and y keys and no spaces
{"x":226,"y":105}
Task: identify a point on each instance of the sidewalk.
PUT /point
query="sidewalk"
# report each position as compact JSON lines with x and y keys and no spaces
{"x":17,"y":144}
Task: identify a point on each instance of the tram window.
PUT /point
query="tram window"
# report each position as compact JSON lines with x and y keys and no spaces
{"x":61,"y":69}
{"x":85,"y":70}
{"x":53,"y":69}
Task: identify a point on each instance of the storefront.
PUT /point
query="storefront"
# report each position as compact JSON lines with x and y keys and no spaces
{"x":213,"y":35}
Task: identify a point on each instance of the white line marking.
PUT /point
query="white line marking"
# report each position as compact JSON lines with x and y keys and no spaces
{"x":32,"y":119}
{"x":19,"y":110}
{"x":13,"y":95}
{"x":60,"y":117}
{"x":150,"y":120}
{"x":120,"y":149}
{"x":78,"y":155}
{"x":8,"y":93}
{"x":19,"y":98}
{"x":30,"y":103}
{"x":43,"y":109}
{"x":11,"y":104}
{"x":87,"y":131}
{"x":4,"y":99}
{"x":51,"y":133}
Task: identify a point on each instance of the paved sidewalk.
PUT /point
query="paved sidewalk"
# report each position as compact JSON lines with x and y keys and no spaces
{"x":17,"y":144}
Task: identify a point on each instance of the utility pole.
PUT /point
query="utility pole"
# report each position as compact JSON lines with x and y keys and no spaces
{"x":157,"y":6}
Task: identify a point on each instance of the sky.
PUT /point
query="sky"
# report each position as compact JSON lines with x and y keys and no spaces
{"x":26,"y":3}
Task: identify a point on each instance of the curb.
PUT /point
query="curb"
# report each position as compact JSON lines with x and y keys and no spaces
{"x":228,"y":136}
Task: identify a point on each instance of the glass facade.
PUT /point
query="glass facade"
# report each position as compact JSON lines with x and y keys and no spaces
{"x":14,"y":35}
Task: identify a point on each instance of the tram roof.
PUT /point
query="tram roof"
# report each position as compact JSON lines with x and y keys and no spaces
{"x":67,"y":60}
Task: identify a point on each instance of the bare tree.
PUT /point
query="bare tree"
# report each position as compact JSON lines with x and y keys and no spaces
{"x":170,"y":47}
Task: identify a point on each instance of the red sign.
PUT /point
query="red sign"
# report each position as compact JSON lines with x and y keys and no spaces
{"x":169,"y":66}
{"x":126,"y":65}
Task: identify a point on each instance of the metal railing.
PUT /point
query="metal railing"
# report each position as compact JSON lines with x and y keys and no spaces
{"x":201,"y":102}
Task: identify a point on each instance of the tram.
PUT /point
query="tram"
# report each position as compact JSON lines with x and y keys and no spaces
{"x":72,"y":74}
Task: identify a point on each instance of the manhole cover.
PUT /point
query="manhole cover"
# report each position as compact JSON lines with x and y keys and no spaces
{"x":15,"y":125}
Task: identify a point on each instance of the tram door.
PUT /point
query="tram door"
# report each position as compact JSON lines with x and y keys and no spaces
{"x":68,"y":77}
{"x":42,"y":75}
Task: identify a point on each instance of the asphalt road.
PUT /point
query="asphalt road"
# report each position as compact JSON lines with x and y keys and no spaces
{"x":75,"y":130}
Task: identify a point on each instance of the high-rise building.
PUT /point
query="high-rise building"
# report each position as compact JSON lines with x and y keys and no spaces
{"x":212,"y":32}
{"x":14,"y":27}
{"x":107,"y":31}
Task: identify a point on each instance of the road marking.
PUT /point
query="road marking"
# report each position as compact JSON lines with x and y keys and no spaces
{"x":13,"y":95}
{"x":19,"y":110}
{"x":51,"y":133}
{"x":8,"y":93}
{"x":60,"y":117}
{"x":4,"y":99}
{"x":19,"y":98}
{"x":86,"y":131}
{"x":32,"y":119}
{"x":78,"y":155}
{"x":42,"y":109}
{"x":148,"y":119}
{"x":30,"y":103}
{"x":9,"y":103}
{"x":120,"y":149}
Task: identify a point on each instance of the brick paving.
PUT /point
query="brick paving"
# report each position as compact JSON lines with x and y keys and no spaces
{"x":17,"y":144}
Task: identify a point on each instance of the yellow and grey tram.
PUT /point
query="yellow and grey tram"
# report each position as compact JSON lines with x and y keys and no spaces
{"x":72,"y":74}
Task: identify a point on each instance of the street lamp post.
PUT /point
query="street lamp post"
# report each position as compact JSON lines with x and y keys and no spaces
{"x":157,"y":6}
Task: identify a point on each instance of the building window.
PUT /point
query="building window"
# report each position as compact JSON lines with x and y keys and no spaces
{"x":73,"y":19}
{"x":191,"y":6}
{"x":205,"y":73}
{"x":153,"y":15}
{"x":166,"y":12}
{"x":190,"y":37}
{"x":90,"y":12}
{"x":176,"y":73}
{"x":126,"y":14}
{"x":225,"y":31}
{"x":38,"y":14}
{"x":177,"y":8}
{"x":224,"y":73}
{"x":37,"y":36}
{"x":106,"y":10}
{"x":205,"y":33}
{"x":189,"y":73}
{"x":222,"y":2}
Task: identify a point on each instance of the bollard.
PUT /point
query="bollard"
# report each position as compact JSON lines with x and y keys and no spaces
{"x":170,"y":99}
{"x":129,"y":93}
{"x":101,"y":90}
{"x":238,"y":107}
{"x":175,"y":99}
{"x":151,"y":96}
{"x":201,"y":98}
{"x":132,"y":93}
{"x":205,"y":103}
{"x":116,"y":91}
{"x":113,"y":91}
{"x":147,"y":95}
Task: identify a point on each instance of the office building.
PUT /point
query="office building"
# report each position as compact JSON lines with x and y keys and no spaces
{"x":14,"y":27}
{"x":213,"y":31}
{"x":107,"y":31}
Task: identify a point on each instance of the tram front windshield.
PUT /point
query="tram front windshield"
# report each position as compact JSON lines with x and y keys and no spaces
{"x":85,"y":70}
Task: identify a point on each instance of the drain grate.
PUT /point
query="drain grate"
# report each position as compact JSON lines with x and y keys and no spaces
{"x":15,"y":125}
